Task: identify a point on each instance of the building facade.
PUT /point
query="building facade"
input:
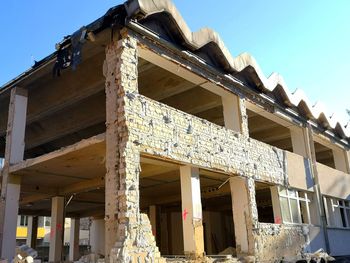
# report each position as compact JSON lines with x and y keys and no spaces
{"x":172,"y":146}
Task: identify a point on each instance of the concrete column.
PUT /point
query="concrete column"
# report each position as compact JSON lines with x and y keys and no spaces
{"x":32,"y":231}
{"x":340,"y":160}
{"x":10,"y":184}
{"x":153,"y":219}
{"x":74,"y":239}
{"x":232,"y":113}
{"x":244,"y":214}
{"x":57,"y":229}
{"x":277,"y":214}
{"x":97,"y":236}
{"x":191,"y":211}
{"x":298,"y":136}
{"x":347,"y":158}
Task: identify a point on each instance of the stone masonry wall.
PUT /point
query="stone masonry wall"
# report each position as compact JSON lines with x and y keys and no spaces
{"x":160,"y":130}
{"x":275,"y":242}
{"x":137,"y":124}
{"x":129,"y":235}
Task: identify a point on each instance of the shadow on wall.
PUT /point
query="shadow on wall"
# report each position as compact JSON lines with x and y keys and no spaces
{"x":308,"y":179}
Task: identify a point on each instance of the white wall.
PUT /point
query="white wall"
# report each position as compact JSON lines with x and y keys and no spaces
{"x":97,"y":236}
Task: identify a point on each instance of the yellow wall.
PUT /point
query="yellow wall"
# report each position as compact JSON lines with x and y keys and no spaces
{"x":22,"y":232}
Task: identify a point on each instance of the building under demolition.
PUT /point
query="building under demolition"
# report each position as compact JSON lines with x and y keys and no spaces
{"x":171,"y":146}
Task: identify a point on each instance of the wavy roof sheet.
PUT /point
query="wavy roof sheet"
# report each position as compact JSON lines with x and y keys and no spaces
{"x":244,"y":64}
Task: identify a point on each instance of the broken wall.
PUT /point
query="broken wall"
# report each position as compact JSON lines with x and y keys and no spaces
{"x":129,"y":235}
{"x":141,"y":125}
{"x":273,"y":241}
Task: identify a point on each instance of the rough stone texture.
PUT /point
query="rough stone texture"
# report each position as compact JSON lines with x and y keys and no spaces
{"x":244,"y":116}
{"x":275,"y":242}
{"x":169,"y":133}
{"x":134,"y":239}
{"x":137,"y":124}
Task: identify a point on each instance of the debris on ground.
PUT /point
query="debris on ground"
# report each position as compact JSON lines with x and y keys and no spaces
{"x":91,"y":258}
{"x":318,"y":256}
{"x":228,"y":251}
{"x":25,"y":254}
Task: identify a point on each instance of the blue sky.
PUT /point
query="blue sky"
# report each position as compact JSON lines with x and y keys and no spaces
{"x":308,"y":42}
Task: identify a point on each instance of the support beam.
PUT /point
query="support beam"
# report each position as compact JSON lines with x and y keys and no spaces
{"x":57,"y":229}
{"x":191,"y":211}
{"x":10,"y":185}
{"x":74,"y":239}
{"x":32,"y":231}
{"x":57,"y":125}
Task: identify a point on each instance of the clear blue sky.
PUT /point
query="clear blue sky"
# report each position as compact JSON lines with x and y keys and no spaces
{"x":308,"y":42}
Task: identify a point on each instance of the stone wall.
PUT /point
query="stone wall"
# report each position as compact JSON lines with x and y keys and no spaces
{"x":138,"y":125}
{"x":160,"y":130}
{"x":129,"y":236}
{"x":275,"y":242}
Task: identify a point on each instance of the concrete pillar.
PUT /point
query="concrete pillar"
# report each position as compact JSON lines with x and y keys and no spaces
{"x":244,"y":214}
{"x":10,"y":184}
{"x":232,"y":113}
{"x":74,"y":239}
{"x":298,"y":136}
{"x":191,"y":211}
{"x":57,"y":229}
{"x":32,"y":231}
{"x":153,"y":219}
{"x":97,"y":236}
{"x":340,"y":160}
{"x":347,"y":158}
{"x":277,"y":214}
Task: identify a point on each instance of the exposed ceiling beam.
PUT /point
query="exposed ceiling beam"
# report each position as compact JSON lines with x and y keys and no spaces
{"x":73,"y":119}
